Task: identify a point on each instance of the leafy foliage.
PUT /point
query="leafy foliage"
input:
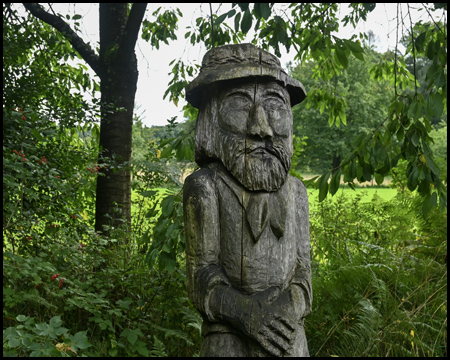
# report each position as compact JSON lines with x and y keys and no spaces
{"x":38,"y":340}
{"x":364,"y":106}
{"x":56,"y":265}
{"x":379,"y":279}
{"x":37,"y":72}
{"x":162,"y":29}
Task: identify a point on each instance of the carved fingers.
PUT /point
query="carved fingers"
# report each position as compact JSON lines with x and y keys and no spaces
{"x":277,"y":336}
{"x":267,"y":317}
{"x":279,"y":322}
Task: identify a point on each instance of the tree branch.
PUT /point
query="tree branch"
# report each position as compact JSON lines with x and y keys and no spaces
{"x":130,"y":34}
{"x":77,"y":43}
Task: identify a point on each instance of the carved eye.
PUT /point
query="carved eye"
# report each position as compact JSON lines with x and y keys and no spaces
{"x":234,"y":112}
{"x":278,"y":114}
{"x":238,"y":102}
{"x":274,"y":103}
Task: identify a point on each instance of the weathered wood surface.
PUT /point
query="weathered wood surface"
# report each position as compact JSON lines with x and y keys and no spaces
{"x":246,"y":218}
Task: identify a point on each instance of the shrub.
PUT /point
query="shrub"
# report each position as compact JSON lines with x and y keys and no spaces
{"x":379,"y":284}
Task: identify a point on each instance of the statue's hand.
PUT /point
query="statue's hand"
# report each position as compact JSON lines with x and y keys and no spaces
{"x":273,"y":321}
{"x":268,"y":317}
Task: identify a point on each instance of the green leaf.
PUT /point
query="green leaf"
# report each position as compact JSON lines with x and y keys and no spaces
{"x":14,"y":342}
{"x":426,"y":205}
{"x":257,"y":10}
{"x":434,"y":105}
{"x":322,"y":185}
{"x":167,"y":262}
{"x":413,"y":178}
{"x":379,"y":178}
{"x":141,"y":349}
{"x":246,"y":22}
{"x":343,"y":116}
{"x":358,"y":141}
{"x":381,"y":154}
{"x":167,"y":152}
{"x":369,"y":6}
{"x":334,"y":183}
{"x":243,"y":6}
{"x":415,"y":139}
{"x":112,"y":352}
{"x":231,"y":13}
{"x":342,"y":57}
{"x":61,"y":331}
{"x":81,"y":341}
{"x":432,"y":165}
{"x":36,"y":134}
{"x":419,"y":41}
{"x":149,"y":193}
{"x":350,"y":171}
{"x":130,"y":335}
{"x":354,"y":46}
{"x":323,"y":191}
{"x":236,"y":22}
{"x":167,"y":205}
{"x":400,"y":134}
{"x":220,"y":19}
{"x":22,"y":318}
{"x":55,"y":321}
{"x":415,"y":110}
{"x":265,"y":10}
{"x":359,"y":56}
{"x":442,"y":202}
{"x":424,"y":187}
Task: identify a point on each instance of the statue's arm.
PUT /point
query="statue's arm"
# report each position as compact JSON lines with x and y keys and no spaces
{"x":300,"y":285}
{"x":201,"y":219}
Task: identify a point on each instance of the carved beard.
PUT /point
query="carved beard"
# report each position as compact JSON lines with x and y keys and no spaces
{"x":258,"y":165}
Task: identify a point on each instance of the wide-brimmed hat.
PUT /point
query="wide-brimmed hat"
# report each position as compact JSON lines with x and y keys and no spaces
{"x":238,"y":62}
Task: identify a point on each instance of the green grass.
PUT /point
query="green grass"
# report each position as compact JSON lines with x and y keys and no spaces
{"x":367,"y":194}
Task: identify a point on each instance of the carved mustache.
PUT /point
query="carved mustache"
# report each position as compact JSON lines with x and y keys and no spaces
{"x":273,"y":149}
{"x":243,"y":146}
{"x":269,"y":146}
{"x":258,"y":146}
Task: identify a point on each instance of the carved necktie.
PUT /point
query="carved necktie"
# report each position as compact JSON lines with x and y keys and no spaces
{"x":264,"y":209}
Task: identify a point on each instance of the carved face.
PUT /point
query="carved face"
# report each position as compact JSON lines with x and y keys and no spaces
{"x":255,"y":133}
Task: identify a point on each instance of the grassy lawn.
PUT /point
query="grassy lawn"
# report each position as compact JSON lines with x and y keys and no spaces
{"x":367,"y":194}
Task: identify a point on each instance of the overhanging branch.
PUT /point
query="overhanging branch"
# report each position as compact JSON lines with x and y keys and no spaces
{"x":131,"y":32}
{"x":59,"y":24}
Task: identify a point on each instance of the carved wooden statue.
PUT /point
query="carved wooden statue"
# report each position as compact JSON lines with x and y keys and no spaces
{"x":246,"y":218}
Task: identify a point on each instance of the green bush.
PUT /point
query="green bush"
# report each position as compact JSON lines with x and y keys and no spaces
{"x":30,"y":339}
{"x":379,"y":279}
{"x":57,"y":270}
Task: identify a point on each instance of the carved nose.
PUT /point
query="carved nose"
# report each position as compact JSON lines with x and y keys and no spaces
{"x":258,"y":125}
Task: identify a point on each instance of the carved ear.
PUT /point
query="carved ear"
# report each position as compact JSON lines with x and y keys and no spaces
{"x":206,"y":129}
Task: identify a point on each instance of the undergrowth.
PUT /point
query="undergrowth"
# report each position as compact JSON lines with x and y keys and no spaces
{"x":379,"y":279}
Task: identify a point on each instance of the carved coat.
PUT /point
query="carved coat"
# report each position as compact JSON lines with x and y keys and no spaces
{"x":248,"y":240}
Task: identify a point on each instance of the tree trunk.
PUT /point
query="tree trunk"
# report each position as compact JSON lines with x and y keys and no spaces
{"x":118,"y":88}
{"x":117,"y":68}
{"x":335,"y":163}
